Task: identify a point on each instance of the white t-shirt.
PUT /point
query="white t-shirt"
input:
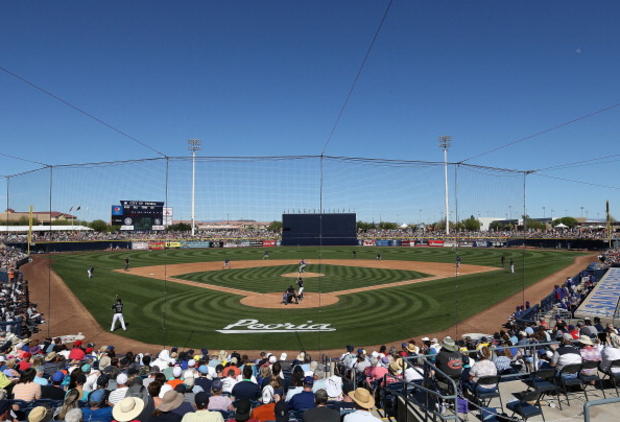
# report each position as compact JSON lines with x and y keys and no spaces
{"x":292,"y":391}
{"x":361,"y":416}
{"x":608,"y":355}
{"x":483,"y":368}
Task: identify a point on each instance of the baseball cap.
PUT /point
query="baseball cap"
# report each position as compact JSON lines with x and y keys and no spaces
{"x":216,"y":385}
{"x":176,"y":371}
{"x":191,"y":363}
{"x":58,"y":376}
{"x":201,"y":399}
{"x":121,"y":378}
{"x":309,"y":381}
{"x":203,"y":369}
{"x":96,"y":396}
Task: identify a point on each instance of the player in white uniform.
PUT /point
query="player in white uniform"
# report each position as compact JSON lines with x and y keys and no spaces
{"x":302,"y":266}
{"x":300,"y":292}
{"x":90,"y":271}
{"x":118,"y":314}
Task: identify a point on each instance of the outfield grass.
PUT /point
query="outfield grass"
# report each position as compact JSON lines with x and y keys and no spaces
{"x":168,"y":313}
{"x":269,"y":279}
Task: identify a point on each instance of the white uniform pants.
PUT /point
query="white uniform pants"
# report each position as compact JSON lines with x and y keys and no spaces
{"x":118,"y":317}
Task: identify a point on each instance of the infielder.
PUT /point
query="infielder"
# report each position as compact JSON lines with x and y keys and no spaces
{"x":118,"y":314}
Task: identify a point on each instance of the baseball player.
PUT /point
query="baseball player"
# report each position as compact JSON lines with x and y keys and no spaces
{"x":300,"y":292}
{"x":126,"y":263}
{"x":512,"y":266}
{"x":266,"y":255}
{"x":227,"y":263}
{"x":302,"y":266}
{"x":118,"y":314}
{"x":458,"y":263}
{"x":90,"y":271}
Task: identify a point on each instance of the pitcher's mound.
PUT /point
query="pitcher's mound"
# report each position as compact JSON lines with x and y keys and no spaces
{"x":303,"y":275}
{"x":274,"y":301}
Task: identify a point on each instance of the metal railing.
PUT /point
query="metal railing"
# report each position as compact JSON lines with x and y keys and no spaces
{"x":589,"y":404}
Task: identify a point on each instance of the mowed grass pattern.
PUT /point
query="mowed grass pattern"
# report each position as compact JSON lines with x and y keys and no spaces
{"x":161,"y":312}
{"x":269,"y":279}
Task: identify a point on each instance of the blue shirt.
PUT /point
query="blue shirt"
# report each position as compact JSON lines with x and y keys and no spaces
{"x":301,"y":401}
{"x":99,"y":415}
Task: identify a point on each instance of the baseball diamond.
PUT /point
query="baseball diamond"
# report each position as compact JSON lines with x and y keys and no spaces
{"x":187,"y":297}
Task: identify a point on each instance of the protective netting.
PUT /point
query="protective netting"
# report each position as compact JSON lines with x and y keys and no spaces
{"x":402,"y":200}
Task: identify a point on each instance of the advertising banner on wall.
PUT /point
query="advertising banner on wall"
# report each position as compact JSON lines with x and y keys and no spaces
{"x":173,"y":244}
{"x":156,"y":245}
{"x":406,"y":243}
{"x":369,"y":242}
{"x":269,"y":243}
{"x":139,"y":245}
{"x":436,"y":243}
{"x":195,"y":244}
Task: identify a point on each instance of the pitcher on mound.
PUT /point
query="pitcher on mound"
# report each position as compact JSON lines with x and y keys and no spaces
{"x":302,"y":266}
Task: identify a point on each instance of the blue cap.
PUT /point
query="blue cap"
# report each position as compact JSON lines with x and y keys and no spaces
{"x":203,"y":369}
{"x":58,"y":376}
{"x":96,"y":396}
{"x":308,"y":381}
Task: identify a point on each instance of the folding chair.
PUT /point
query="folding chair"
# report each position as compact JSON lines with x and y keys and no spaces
{"x":484,"y":398}
{"x":523,"y":406}
{"x":567,"y":378}
{"x":543,"y":381}
{"x":614,"y":377}
{"x":594,"y":378}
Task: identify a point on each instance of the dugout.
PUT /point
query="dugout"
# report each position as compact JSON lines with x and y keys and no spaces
{"x":320,"y":229}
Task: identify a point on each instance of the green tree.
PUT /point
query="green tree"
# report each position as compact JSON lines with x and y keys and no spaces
{"x":275,"y":227}
{"x":567,"y":221}
{"x":386,"y":225}
{"x":99,"y":226}
{"x":471,"y":224}
{"x":530,"y":224}
{"x":179,"y":227}
{"x":364,"y":226}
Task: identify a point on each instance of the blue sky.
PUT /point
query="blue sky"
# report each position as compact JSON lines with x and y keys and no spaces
{"x":268,"y":78}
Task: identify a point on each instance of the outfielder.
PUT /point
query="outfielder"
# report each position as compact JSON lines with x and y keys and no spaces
{"x":90,"y":271}
{"x":118,"y":314}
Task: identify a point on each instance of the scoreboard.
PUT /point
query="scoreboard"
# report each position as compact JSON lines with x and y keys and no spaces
{"x":138,"y":215}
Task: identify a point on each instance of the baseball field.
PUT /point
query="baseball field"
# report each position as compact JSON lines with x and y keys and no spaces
{"x":185,"y":297}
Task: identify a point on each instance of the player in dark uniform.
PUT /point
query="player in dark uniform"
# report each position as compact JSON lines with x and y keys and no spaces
{"x":126,"y":264}
{"x":458,"y":263}
{"x":227,"y":263}
{"x":503,"y":261}
{"x":300,"y":291}
{"x":290,"y":296}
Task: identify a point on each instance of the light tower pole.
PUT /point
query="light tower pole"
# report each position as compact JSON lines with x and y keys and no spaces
{"x":193,"y":145}
{"x":444,"y":143}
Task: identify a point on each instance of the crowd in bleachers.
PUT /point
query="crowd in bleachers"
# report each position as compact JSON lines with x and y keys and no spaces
{"x":19,"y":317}
{"x":10,"y":256}
{"x":591,"y":234}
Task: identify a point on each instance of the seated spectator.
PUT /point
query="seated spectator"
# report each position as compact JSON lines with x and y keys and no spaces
{"x":271,"y":390}
{"x":566,"y":354}
{"x":121,"y":389}
{"x":246,"y":389}
{"x":588,"y":352}
{"x":40,"y":414}
{"x":128,"y":409}
{"x":484,"y":367}
{"x":243,"y":410}
{"x":98,"y":409}
{"x":364,"y":402}
{"x":26,"y":389}
{"x":448,"y":360}
{"x":321,"y":413}
{"x":74,"y":415}
{"x":202,"y":413}
{"x":305,"y":399}
{"x":174,"y":402}
{"x":54,"y":391}
{"x":611,"y":352}
{"x":217,"y":401}
{"x":71,"y":401}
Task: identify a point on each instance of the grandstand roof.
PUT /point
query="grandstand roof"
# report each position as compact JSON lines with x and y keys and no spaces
{"x":43,"y":228}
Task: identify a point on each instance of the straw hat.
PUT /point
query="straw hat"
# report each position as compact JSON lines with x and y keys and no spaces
{"x":362,"y":398}
{"x":170,"y":401}
{"x":397,"y":366}
{"x":585,"y":340}
{"x":128,"y":409}
{"x":40,"y":414}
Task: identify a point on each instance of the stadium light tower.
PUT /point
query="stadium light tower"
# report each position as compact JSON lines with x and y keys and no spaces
{"x":193,"y":145}
{"x":444,"y":143}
